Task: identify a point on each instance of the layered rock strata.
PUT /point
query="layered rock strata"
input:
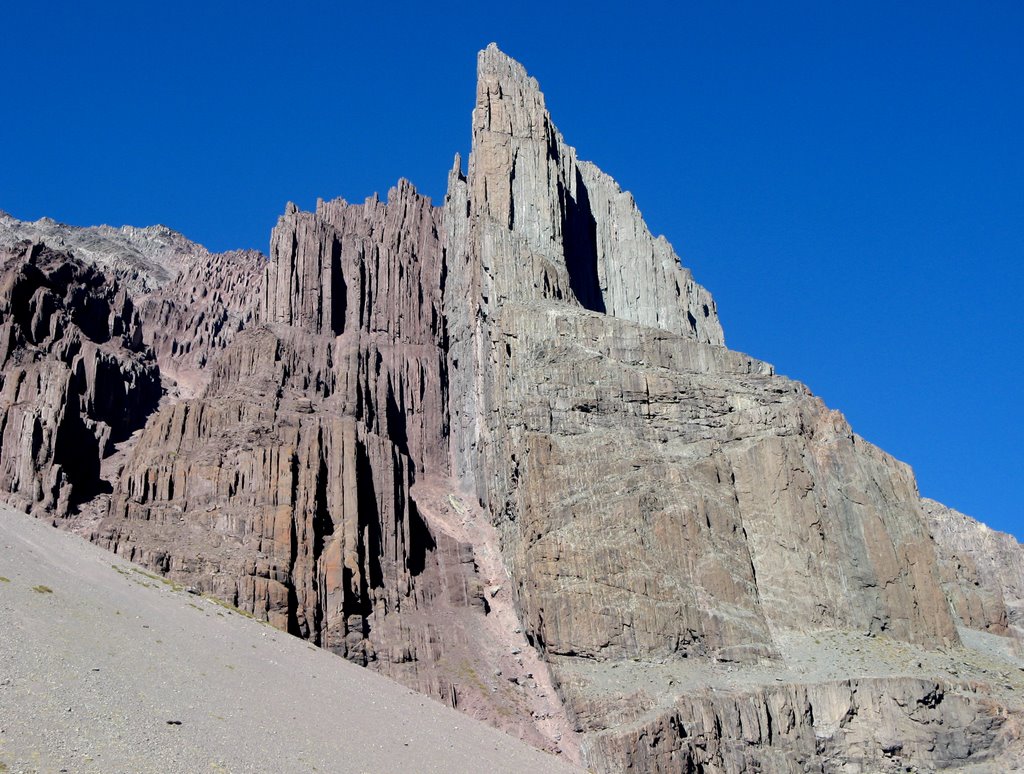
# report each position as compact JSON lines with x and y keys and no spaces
{"x":732,"y":507}
{"x":498,"y":450}
{"x":863,"y":724}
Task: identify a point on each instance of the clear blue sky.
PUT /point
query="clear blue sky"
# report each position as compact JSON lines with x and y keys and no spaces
{"x":848,"y":180}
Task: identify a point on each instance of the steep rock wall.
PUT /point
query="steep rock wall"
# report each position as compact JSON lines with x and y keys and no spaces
{"x":982,"y":571}
{"x":758,"y":507}
{"x":286,"y":486}
{"x":193,"y":317}
{"x":76,"y":378}
{"x":299,"y":446}
{"x":866,"y":724}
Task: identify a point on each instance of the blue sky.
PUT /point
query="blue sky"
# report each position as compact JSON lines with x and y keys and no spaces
{"x":848,"y":181}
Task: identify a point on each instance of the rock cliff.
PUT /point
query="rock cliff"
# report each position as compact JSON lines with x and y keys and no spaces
{"x":75,"y":377}
{"x":141,"y":259}
{"x":756,"y":507}
{"x":498,"y":450}
{"x":190,"y":301}
{"x":982,"y":571}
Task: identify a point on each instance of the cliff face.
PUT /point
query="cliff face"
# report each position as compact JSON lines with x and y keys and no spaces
{"x":498,"y":450}
{"x":982,"y":570}
{"x":193,"y":317}
{"x":287,"y":485}
{"x":297,"y":454}
{"x":190,"y":301}
{"x":76,"y":377}
{"x":731,"y":502}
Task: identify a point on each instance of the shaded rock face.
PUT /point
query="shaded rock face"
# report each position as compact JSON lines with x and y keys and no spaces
{"x":300,"y":484}
{"x":297,"y":454}
{"x":851,"y":725}
{"x":76,"y":377}
{"x":190,"y":301}
{"x":498,"y":450}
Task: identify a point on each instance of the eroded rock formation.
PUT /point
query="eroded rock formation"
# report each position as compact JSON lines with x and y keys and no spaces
{"x":193,"y":317}
{"x":731,"y":501}
{"x":75,"y":377}
{"x":498,"y":450}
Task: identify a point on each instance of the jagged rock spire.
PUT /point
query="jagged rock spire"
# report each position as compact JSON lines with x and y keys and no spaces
{"x":574,"y":234}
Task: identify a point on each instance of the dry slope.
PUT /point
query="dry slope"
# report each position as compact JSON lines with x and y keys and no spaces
{"x":106,"y":668}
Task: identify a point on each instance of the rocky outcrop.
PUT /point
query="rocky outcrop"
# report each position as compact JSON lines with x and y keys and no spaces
{"x":982,"y":571}
{"x":299,"y":446}
{"x":286,"y":487}
{"x":190,"y":319}
{"x":141,"y":259}
{"x":867,"y":724}
{"x":76,"y":378}
{"x":191,"y":302}
{"x":498,"y":450}
{"x":658,"y":497}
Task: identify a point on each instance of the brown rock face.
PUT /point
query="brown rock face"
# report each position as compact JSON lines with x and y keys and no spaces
{"x":286,"y":486}
{"x":498,"y":450}
{"x":982,"y":571}
{"x":299,"y":446}
{"x":76,"y":377}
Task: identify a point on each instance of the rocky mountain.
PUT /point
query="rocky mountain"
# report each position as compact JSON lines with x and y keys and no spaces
{"x":141,"y":259}
{"x":498,"y":450}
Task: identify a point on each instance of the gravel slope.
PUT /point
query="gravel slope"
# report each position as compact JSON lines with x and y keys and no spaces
{"x":105,"y":668}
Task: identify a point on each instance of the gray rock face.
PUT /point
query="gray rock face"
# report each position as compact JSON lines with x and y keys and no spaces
{"x":867,"y":724}
{"x":498,"y":450}
{"x":730,"y":502}
{"x":141,"y":259}
{"x":982,"y":570}
{"x":658,"y":496}
{"x":577,"y":236}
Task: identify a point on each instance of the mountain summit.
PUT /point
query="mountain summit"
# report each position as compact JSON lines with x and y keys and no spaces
{"x":497,"y":450}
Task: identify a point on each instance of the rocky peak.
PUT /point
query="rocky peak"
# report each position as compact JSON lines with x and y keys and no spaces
{"x":577,"y":235}
{"x":142,"y":259}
